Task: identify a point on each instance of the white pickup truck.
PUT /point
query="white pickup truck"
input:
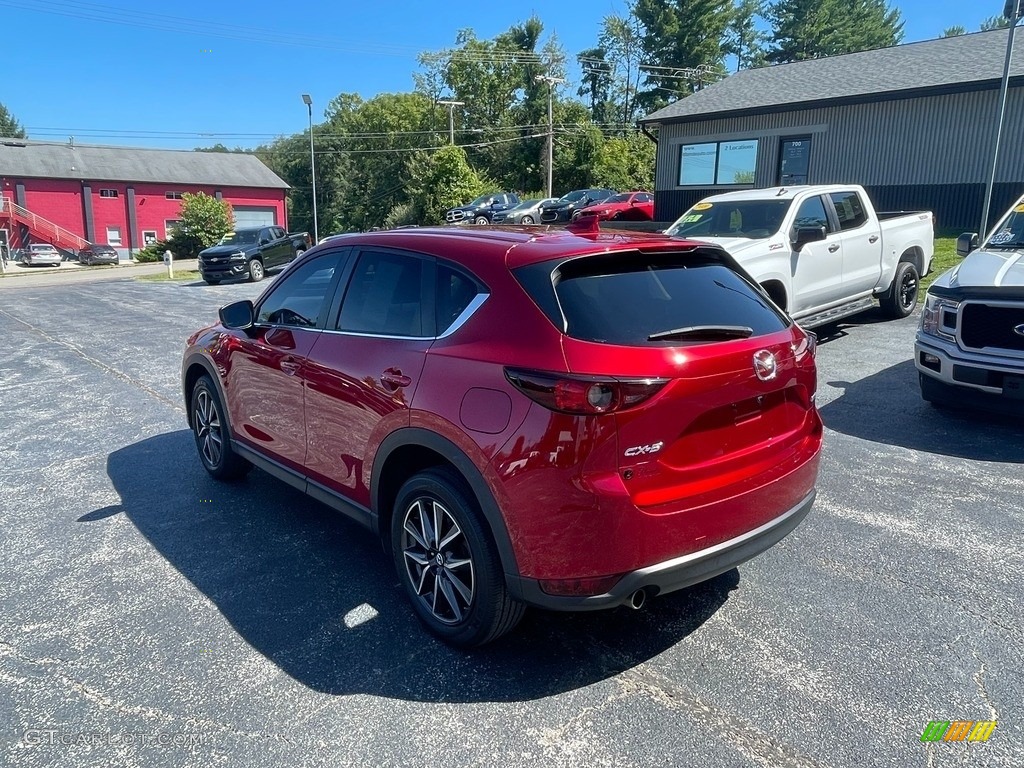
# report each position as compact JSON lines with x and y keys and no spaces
{"x":821,"y":252}
{"x":970,"y":344}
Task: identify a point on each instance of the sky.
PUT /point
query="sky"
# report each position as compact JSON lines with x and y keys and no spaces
{"x":193,"y":73}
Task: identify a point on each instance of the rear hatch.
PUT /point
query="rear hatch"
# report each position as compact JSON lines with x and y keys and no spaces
{"x":730,"y":398}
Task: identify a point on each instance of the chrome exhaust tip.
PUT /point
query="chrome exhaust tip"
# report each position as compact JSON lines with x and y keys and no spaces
{"x":637,"y":599}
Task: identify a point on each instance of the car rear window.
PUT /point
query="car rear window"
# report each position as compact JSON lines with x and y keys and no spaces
{"x":625,"y":298}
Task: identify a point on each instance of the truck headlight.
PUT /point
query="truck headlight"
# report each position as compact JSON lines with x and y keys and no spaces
{"x":238,"y":256}
{"x":938,"y":318}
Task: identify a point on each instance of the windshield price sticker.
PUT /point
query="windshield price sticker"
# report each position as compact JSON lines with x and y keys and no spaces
{"x":1002,"y":237}
{"x":690,"y":218}
{"x":1019,"y":209}
{"x":701,"y":206}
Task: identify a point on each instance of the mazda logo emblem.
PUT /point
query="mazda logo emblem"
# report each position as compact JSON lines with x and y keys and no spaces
{"x":1019,"y":330}
{"x":764,"y":365}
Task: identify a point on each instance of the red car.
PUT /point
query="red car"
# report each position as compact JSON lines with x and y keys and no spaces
{"x":627,"y":206}
{"x":567,"y":419}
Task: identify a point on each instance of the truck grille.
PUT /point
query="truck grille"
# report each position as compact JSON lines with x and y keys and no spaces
{"x":452,"y":216}
{"x":987,"y":328}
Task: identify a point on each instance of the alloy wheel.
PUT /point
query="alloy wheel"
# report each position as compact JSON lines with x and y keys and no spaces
{"x":438,"y":560}
{"x":908,"y":289}
{"x":208,"y":429}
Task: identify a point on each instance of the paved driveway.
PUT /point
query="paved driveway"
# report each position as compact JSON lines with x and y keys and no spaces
{"x":152,"y":617}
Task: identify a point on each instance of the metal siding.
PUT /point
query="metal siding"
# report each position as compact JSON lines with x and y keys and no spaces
{"x":911,"y":148}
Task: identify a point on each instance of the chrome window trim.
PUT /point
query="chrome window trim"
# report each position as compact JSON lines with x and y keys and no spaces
{"x":461,"y":320}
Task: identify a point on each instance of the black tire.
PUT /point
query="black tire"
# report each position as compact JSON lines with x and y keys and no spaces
{"x":256,"y":271}
{"x":575,"y":215}
{"x":526,"y":219}
{"x":901,"y":298}
{"x":438,"y":569}
{"x":212,"y":281}
{"x":210,"y":430}
{"x":481,"y":220}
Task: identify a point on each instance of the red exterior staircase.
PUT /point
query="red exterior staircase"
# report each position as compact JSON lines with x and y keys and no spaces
{"x":41,"y":228}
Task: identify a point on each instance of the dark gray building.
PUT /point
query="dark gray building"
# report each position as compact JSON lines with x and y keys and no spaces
{"x":915,"y":124}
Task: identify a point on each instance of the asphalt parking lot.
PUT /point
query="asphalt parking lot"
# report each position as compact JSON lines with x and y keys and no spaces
{"x":152,"y":617}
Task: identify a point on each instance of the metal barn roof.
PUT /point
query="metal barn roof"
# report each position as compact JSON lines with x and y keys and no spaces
{"x":48,"y":160}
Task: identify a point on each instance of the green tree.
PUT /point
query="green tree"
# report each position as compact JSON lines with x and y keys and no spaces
{"x":811,"y":29}
{"x":622,"y":39}
{"x":625,"y":162}
{"x":598,"y":77}
{"x":686,"y":35}
{"x":742,"y":37}
{"x":994,"y":22}
{"x":203,"y":221}
{"x":438,"y":181}
{"x":954,"y":31}
{"x":9,"y":126}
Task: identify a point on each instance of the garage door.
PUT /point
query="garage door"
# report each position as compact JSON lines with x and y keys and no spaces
{"x":253,"y":217}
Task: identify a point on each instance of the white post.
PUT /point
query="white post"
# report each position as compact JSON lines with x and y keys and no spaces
{"x":169,"y":261}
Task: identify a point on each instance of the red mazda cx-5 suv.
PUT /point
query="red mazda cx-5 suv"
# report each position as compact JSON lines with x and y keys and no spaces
{"x":566,"y":418}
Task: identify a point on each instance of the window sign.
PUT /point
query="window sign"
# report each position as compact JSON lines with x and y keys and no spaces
{"x":737,"y":161}
{"x":697,"y":164}
{"x":720,"y":162}
{"x":794,"y":160}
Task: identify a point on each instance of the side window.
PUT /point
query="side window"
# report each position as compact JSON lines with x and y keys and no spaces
{"x":277,"y":233}
{"x":385,"y":296}
{"x":454,"y":292}
{"x":811,"y":214}
{"x":302,"y":297}
{"x":849,"y":209}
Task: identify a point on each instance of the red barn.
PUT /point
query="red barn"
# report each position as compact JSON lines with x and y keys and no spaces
{"x":68,"y":194}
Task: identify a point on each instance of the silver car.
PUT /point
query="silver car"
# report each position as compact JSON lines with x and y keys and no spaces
{"x":527,"y":212}
{"x":42,"y":254}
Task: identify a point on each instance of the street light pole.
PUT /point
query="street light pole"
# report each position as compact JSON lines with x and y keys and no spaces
{"x":551,"y":126}
{"x":1013,"y":10}
{"x":451,"y":117}
{"x":312,"y":166}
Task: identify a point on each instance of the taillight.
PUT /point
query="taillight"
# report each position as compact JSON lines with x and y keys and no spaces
{"x":586,"y":395}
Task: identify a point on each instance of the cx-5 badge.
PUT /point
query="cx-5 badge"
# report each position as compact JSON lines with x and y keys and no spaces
{"x":764,"y":365}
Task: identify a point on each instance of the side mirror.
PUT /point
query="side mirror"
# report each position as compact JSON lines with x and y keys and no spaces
{"x":805,"y":235}
{"x":239,"y":315}
{"x":966,"y":243}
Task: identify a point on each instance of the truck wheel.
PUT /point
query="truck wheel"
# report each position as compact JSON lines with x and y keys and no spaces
{"x":901,"y":298}
{"x":447,"y":563}
{"x":481,"y":220}
{"x":256,"y":272}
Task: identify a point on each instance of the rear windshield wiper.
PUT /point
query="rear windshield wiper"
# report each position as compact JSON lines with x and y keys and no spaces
{"x":705,"y":332}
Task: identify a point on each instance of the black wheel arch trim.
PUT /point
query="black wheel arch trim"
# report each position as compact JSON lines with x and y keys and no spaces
{"x":197,"y":358}
{"x":465,"y":466}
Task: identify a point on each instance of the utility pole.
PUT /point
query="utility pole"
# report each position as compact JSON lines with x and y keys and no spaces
{"x":551,"y":81}
{"x":1013,"y":10}
{"x":312,"y":166}
{"x":451,"y":117}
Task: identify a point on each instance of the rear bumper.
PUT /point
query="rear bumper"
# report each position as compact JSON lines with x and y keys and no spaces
{"x":677,"y":573}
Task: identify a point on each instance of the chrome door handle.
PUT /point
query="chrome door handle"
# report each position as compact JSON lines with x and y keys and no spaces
{"x":833,"y":248}
{"x":290,"y":366}
{"x":873,"y":239}
{"x":393,"y":379}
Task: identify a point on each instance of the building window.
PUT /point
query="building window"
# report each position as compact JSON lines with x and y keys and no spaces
{"x":794,"y":160}
{"x":718,"y":163}
{"x":148,"y":237}
{"x":172,"y":195}
{"x":108,"y":193}
{"x":113,"y":235}
{"x":169,"y":226}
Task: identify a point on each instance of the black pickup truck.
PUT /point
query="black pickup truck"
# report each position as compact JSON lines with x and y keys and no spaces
{"x":483,"y":208}
{"x":250,"y":253}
